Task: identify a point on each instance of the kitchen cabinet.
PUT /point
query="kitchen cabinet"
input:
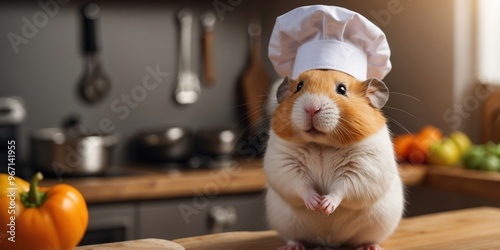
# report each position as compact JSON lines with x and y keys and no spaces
{"x":174,"y":218}
{"x":110,"y":223}
{"x":150,"y":202}
{"x":201,"y":215}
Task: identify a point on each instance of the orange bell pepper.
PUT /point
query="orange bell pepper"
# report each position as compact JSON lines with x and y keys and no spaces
{"x":402,"y":146}
{"x":415,"y":148}
{"x":52,"y":218}
{"x":419,"y":148}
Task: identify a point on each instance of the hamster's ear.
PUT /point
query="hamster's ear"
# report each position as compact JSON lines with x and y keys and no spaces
{"x":283,"y":90}
{"x":377,"y":92}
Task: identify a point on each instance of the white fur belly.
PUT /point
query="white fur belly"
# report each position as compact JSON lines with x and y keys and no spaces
{"x":343,"y":226}
{"x":359,"y":219}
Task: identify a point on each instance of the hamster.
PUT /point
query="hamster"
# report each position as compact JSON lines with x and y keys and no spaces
{"x":332,"y":175}
{"x":271,"y":102}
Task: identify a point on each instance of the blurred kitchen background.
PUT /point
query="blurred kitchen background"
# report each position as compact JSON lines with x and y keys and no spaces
{"x":433,"y":56}
{"x":438,"y":55}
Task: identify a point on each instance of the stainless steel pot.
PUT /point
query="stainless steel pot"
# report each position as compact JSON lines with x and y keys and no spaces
{"x":173,"y":144}
{"x":217,"y":142}
{"x":60,"y":152}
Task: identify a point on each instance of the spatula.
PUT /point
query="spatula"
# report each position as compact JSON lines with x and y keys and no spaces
{"x":255,"y":81}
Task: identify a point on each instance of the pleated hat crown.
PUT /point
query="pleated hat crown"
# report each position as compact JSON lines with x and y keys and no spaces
{"x":328,"y":37}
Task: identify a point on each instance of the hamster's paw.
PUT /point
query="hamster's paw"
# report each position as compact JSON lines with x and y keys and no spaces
{"x":328,"y":205}
{"x":312,"y":201}
{"x":293,"y":245}
{"x":370,"y":247}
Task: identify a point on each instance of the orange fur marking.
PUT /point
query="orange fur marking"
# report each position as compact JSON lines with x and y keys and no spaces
{"x":359,"y":119}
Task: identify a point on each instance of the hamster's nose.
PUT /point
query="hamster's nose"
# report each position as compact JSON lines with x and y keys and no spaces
{"x":312,"y":111}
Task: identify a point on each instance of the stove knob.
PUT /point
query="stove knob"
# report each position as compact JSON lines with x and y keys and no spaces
{"x":221,"y":218}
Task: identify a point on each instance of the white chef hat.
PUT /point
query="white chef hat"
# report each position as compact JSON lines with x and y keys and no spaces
{"x":328,"y":37}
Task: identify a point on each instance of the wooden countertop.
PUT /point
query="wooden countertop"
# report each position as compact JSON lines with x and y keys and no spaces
{"x":475,"y":228}
{"x":470,"y":182}
{"x":146,"y":183}
{"x":155,"y":244}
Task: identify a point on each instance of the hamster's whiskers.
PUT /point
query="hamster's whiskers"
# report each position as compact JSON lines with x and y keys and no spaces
{"x":404,"y":111}
{"x":406,"y":95}
{"x":345,"y":132}
{"x":398,"y":124}
{"x":401,"y":110}
{"x":253,"y":111}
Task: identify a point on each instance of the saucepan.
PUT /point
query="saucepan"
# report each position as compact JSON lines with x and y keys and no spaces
{"x":217,"y":142}
{"x":71,"y":150}
{"x":169,"y":144}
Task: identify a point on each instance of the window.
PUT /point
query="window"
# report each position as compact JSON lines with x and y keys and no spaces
{"x":488,"y":61}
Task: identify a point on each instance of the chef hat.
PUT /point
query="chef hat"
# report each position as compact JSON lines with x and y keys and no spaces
{"x":328,"y":37}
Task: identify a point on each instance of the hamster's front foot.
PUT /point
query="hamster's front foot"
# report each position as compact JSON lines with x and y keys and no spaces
{"x":328,"y":204}
{"x":293,"y":245}
{"x":370,"y":247}
{"x":312,"y":200}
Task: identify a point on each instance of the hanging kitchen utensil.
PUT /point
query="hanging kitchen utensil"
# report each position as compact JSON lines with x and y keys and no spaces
{"x":255,"y":82}
{"x":95,"y":84}
{"x":208,"y":20}
{"x":188,"y":85}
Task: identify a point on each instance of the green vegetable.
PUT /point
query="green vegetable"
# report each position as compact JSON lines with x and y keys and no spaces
{"x":484,"y":157}
{"x":492,"y":148}
{"x":474,"y":157}
{"x":490,"y":163}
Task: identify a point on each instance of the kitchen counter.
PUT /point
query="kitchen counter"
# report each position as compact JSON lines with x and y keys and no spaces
{"x":463,"y":181}
{"x":147,"y":182}
{"x":462,"y":229}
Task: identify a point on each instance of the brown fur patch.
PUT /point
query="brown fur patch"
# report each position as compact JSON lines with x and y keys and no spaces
{"x":358,"y":119}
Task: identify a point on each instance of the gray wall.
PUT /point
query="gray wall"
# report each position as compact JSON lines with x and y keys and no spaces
{"x":137,"y":34}
{"x":133,"y":35}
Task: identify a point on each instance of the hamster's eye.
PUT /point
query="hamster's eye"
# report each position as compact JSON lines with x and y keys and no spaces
{"x":341,"y":89}
{"x":299,"y":86}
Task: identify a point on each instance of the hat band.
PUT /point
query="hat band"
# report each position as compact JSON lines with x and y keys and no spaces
{"x":330,"y":54}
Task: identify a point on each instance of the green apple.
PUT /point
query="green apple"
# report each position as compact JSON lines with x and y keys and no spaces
{"x":490,"y":163}
{"x":444,"y":152}
{"x":492,"y":148}
{"x":473,"y":158}
{"x":462,"y":140}
{"x":497,"y":150}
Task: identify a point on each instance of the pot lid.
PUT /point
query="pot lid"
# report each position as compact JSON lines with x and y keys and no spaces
{"x":72,"y":131}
